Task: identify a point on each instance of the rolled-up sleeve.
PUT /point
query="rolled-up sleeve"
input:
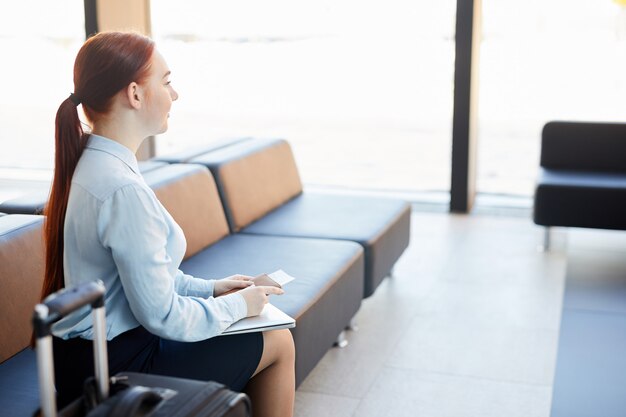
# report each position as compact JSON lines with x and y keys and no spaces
{"x":172,"y":306}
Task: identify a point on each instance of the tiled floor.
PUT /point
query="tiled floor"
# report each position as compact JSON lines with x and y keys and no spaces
{"x":467,"y":326}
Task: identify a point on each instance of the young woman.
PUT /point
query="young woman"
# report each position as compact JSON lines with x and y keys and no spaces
{"x":103,"y":221}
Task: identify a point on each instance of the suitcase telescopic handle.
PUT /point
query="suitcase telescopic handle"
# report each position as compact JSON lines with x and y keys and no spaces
{"x":65,"y":302}
{"x":50,"y":311}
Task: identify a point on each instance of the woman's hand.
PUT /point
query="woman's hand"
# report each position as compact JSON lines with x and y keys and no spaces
{"x":233,"y":282}
{"x":257,"y":297}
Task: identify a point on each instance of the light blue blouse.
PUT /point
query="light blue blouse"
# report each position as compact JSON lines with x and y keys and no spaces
{"x":117,"y":231}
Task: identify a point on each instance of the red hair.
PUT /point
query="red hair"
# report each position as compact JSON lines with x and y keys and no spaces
{"x":105,"y":65}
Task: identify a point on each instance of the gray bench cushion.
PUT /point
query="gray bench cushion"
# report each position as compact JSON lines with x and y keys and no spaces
{"x":31,"y":203}
{"x":324,"y":297}
{"x":580,"y":199}
{"x":34,"y":202}
{"x":19,"y":392}
{"x":380,"y":225}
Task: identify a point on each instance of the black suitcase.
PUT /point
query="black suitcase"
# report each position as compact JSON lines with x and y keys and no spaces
{"x":125,"y":394}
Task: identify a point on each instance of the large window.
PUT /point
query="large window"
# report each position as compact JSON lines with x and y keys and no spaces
{"x":39,"y":40}
{"x":541,"y":61}
{"x":361,"y":89}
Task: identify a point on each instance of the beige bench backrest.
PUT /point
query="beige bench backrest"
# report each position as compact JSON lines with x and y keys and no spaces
{"x":188,"y":192}
{"x":259,"y":182}
{"x":21,"y":278}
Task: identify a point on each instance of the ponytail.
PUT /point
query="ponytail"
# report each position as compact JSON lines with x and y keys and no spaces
{"x":70,"y":142}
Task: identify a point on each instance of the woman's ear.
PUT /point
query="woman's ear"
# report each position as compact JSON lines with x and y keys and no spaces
{"x":134,"y":95}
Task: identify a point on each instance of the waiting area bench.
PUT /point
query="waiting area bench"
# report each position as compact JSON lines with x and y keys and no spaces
{"x":330,"y":266}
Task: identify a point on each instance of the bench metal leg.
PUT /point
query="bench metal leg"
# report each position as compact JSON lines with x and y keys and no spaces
{"x":354,"y":326}
{"x":546,"y":239}
{"x":341,"y":341}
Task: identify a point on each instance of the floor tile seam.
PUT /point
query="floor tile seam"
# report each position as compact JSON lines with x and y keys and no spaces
{"x":592,"y":249}
{"x":358,"y":399}
{"x":368,"y":390}
{"x":358,"y":407}
{"x":470,"y":322}
{"x":511,"y":331}
{"x":514,"y":328}
{"x":595,"y":312}
{"x":389,"y":350}
{"x":496,"y":289}
{"x":526,"y":261}
{"x":347,"y":397}
{"x":433,"y":298}
{"x":475,"y":377}
{"x":588,"y":257}
{"x":538,"y":284}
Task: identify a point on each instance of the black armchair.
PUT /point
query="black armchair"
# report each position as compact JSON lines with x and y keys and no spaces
{"x":582,"y":179}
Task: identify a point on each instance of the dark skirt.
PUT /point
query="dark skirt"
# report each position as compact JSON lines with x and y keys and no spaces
{"x":230,"y":360}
